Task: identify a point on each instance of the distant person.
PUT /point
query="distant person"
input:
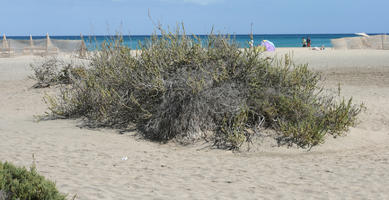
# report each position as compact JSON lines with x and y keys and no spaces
{"x":304,"y":43}
{"x":308,"y":42}
{"x":251,"y":43}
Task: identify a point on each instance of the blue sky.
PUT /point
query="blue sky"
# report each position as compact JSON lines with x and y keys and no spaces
{"x":72,"y":17}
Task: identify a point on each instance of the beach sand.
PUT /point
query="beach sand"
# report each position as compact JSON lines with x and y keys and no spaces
{"x":103,"y":164}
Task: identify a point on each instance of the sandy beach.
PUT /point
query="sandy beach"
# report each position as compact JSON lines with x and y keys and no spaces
{"x":103,"y":164}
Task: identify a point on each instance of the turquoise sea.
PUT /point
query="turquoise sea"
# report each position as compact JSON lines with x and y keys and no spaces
{"x":280,"y":40}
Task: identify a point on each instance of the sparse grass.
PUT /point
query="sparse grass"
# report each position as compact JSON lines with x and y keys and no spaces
{"x":177,"y":88}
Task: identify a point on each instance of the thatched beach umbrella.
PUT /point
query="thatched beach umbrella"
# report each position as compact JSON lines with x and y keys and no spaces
{"x":83,"y":46}
{"x":47,"y":42}
{"x":31,"y":42}
{"x":5,"y":43}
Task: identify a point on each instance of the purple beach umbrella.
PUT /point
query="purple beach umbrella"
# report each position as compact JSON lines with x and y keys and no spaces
{"x":269,"y":45}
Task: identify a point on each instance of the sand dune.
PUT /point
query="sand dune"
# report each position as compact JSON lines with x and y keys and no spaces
{"x":92,"y":164}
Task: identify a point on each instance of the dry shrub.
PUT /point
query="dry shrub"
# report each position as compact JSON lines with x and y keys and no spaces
{"x":53,"y":71}
{"x":179,"y":88}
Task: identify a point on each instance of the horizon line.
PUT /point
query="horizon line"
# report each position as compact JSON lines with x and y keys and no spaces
{"x":235,"y":34}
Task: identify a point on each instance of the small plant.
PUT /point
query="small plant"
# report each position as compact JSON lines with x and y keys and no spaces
{"x":178,"y":87}
{"x":20,"y":183}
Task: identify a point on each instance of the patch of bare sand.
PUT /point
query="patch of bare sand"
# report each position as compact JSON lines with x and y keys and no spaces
{"x":92,"y":164}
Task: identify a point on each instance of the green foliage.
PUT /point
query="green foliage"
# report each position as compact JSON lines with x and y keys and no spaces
{"x":232,"y":132}
{"x":293,"y":104}
{"x":20,"y":183}
{"x":177,"y":87}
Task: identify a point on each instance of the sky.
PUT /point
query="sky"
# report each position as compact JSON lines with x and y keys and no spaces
{"x":139,"y":17}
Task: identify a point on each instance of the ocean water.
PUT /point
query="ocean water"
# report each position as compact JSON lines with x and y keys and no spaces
{"x":279,"y":40}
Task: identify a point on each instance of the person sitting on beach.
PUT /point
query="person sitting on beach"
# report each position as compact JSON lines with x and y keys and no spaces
{"x":308,"y":42}
{"x":304,"y":43}
{"x":318,"y":49}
